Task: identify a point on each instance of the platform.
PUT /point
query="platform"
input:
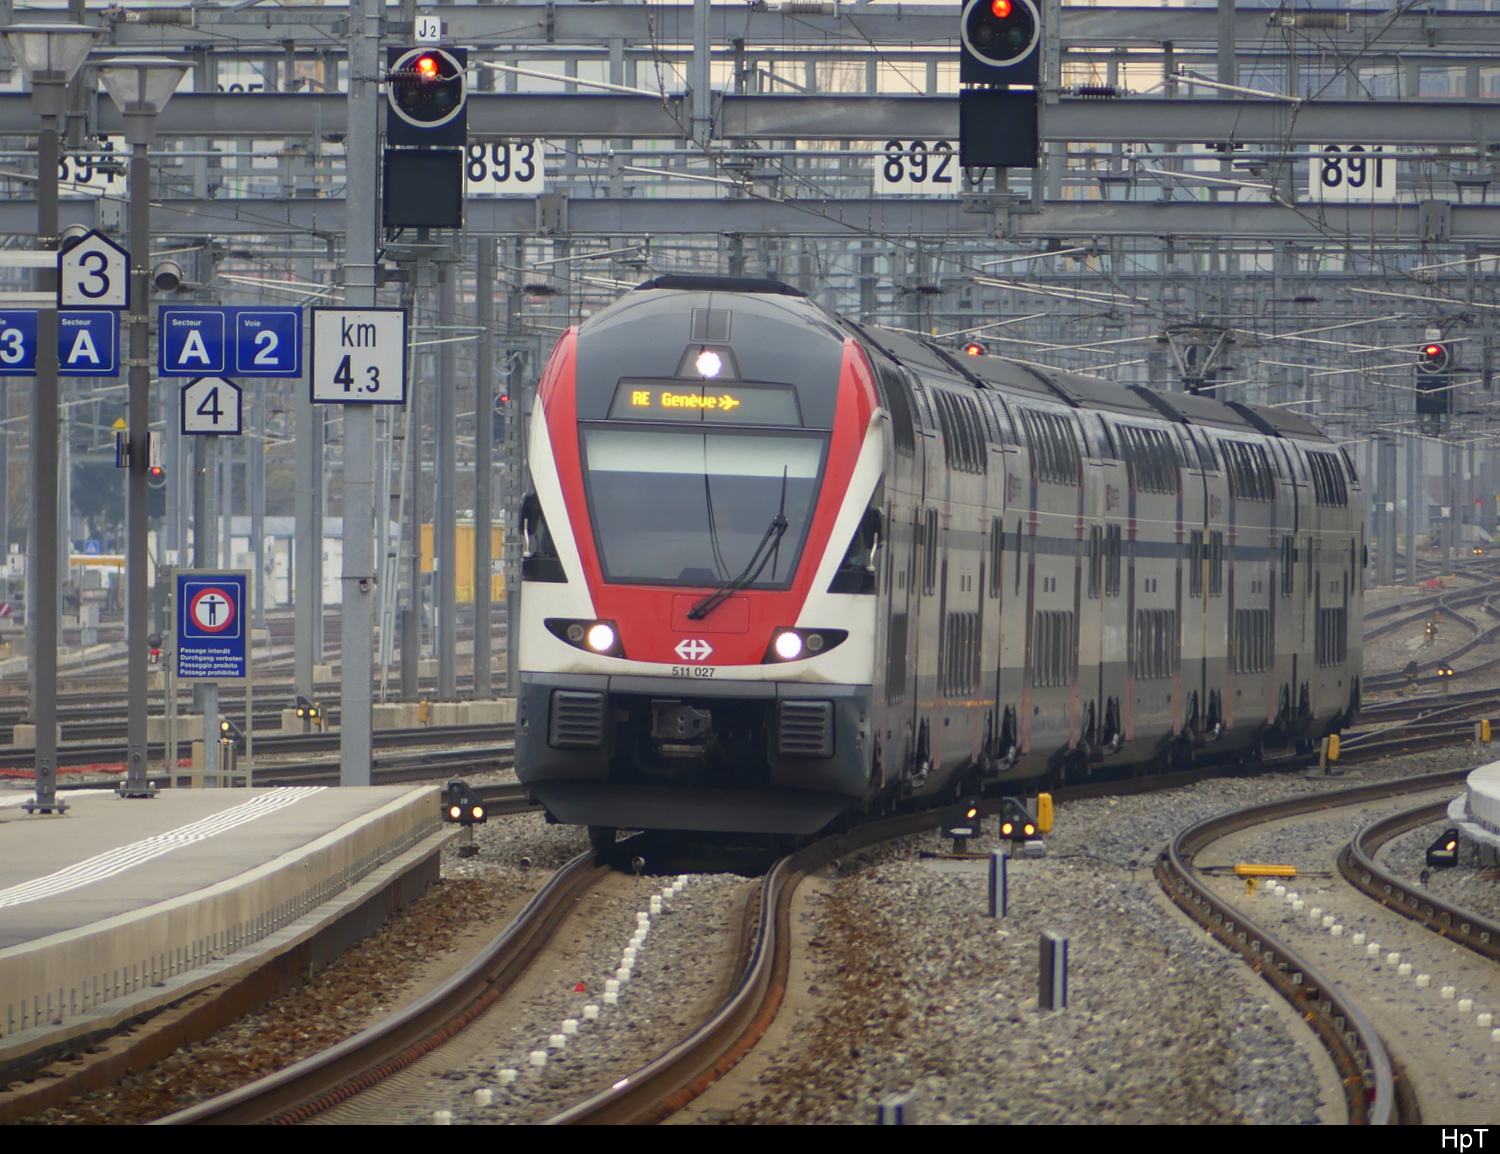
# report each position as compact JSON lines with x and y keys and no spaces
{"x":119,"y":907}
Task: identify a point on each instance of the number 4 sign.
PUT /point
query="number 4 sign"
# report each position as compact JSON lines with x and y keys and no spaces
{"x":212,"y":405}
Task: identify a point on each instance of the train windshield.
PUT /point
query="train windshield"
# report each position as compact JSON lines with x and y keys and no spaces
{"x":690,"y":508}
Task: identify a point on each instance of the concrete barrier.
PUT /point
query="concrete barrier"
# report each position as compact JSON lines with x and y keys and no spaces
{"x":24,"y":736}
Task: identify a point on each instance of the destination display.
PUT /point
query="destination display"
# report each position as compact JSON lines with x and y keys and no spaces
{"x":718,"y":402}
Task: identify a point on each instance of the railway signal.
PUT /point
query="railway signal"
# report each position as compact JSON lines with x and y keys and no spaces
{"x":309,"y":711}
{"x":999,"y":74}
{"x":1001,"y":42}
{"x":427,"y":95}
{"x":231,"y":734}
{"x":1435,"y":365}
{"x":963,"y":822}
{"x":1016,"y":822}
{"x":1443,"y":853}
{"x":462,"y":807}
{"x":426,"y":130}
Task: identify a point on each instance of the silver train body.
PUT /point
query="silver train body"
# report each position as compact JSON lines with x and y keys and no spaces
{"x":997,"y":576}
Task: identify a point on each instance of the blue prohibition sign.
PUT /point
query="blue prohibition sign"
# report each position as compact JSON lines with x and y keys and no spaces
{"x":211,"y":634}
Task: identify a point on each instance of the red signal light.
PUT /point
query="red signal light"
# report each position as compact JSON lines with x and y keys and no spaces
{"x":1433,"y":350}
{"x":427,"y":66}
{"x":1001,"y":8}
{"x":974,"y":349}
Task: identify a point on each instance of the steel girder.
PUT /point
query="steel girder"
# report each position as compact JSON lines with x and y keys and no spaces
{"x":886,"y":219}
{"x":1424,"y":123}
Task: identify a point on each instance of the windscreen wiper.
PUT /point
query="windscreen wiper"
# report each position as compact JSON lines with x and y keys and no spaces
{"x":770,"y":546}
{"x":762,"y":555}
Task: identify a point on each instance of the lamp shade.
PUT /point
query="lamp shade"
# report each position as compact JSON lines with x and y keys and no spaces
{"x":55,"y":51}
{"x":141,"y":83}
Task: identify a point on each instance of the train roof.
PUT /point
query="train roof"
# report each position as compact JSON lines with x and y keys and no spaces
{"x":654,"y":312}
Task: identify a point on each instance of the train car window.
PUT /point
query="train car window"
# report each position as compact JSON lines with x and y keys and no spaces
{"x":1328,"y":479}
{"x":997,"y":555}
{"x":895,"y":660}
{"x":1349,"y":465}
{"x":1216,"y":563}
{"x":929,"y":553}
{"x":963,"y":440}
{"x":1054,"y":649}
{"x":539,"y":559}
{"x":1156,"y":647}
{"x":1108,"y":444}
{"x":1054,"y":446}
{"x":960,"y":673}
{"x":856,"y":573}
{"x":1152,"y":457}
{"x":1197,"y":562}
{"x":895,"y":397}
{"x":1004,"y":422}
{"x":1017,"y":567}
{"x":1096,"y":560}
{"x":1252,"y":640}
{"x":1332,"y":647}
{"x":1208,"y":461}
{"x":1249,"y":470}
{"x":1288,"y":560}
{"x":1114,"y":552}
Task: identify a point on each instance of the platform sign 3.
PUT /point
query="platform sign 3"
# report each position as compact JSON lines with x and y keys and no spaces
{"x":94,"y":273}
{"x":214,"y":406}
{"x":232,"y":341}
{"x":359,"y":356}
{"x":88,"y":343}
{"x":211,"y":633}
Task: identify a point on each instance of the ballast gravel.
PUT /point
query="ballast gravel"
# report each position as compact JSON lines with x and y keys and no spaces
{"x":924,"y":996}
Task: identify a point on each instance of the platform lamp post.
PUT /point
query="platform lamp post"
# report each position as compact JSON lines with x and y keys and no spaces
{"x":140,"y":87}
{"x":50,"y":55}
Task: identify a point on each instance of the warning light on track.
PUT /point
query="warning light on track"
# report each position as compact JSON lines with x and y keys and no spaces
{"x":461,"y":805}
{"x":1443,"y":853}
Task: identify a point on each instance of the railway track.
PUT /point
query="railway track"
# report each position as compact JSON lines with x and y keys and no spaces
{"x":1376,"y":1090}
{"x":648,"y":1094}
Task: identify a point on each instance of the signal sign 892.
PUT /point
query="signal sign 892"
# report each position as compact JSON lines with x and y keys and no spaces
{"x":916,"y":166}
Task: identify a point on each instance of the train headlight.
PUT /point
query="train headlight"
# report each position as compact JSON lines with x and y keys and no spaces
{"x":709,"y":363}
{"x":601,"y":637}
{"x":796,"y":644}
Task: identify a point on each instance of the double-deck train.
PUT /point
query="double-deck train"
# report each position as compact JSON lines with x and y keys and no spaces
{"x":780,"y":567}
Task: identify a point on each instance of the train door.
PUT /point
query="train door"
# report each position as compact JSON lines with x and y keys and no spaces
{"x":1103,"y":475}
{"x":897,"y":725}
{"x":1203,"y":631}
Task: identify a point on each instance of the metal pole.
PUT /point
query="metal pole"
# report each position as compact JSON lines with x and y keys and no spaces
{"x":41,"y":584}
{"x":411,"y":619}
{"x":255,"y":489}
{"x":360,"y":507}
{"x":484,"y":467}
{"x":141,"y":127}
{"x":307,"y":542}
{"x":445,"y":512}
